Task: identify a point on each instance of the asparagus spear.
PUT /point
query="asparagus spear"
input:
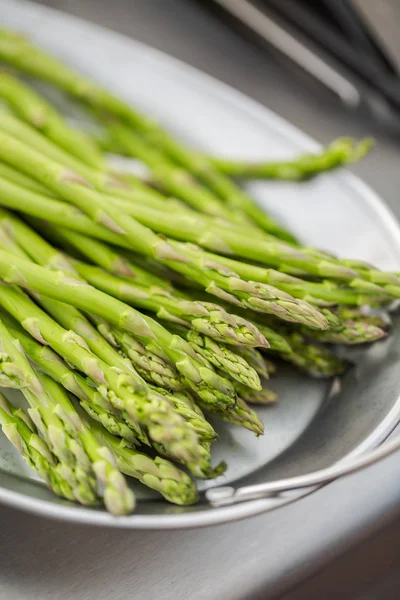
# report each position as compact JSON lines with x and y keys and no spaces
{"x":262,"y":397}
{"x":21,"y":54}
{"x":192,"y":413}
{"x":18,"y":198}
{"x":209,"y":273}
{"x":355,"y":291}
{"x":205,"y":317}
{"x":222,"y":357}
{"x":152,"y":367}
{"x":172,"y":178}
{"x":71,"y":186}
{"x":129,"y":394}
{"x":47,"y":414}
{"x":34,"y":109}
{"x":75,"y":189}
{"x":379,"y":319}
{"x":316,"y":361}
{"x":351,"y":332}
{"x":103,"y":181}
{"x":91,"y":399}
{"x":66,"y":315}
{"x":118,"y":498}
{"x":258,"y":296}
{"x":257,"y":361}
{"x":340,"y":152}
{"x":241,"y":415}
{"x":59,"y":286}
{"x":21,"y":432}
{"x":156,"y":473}
{"x":102,"y":255}
{"x":22,"y":180}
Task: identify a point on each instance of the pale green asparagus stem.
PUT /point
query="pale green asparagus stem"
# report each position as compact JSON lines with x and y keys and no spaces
{"x":50,"y":363}
{"x":340,"y":152}
{"x":39,"y":113}
{"x":59,"y":286}
{"x":205,"y":317}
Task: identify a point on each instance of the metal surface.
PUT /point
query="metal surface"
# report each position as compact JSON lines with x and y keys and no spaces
{"x":244,"y":129}
{"x":225,"y":496}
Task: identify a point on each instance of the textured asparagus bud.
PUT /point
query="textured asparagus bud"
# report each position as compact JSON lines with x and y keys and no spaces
{"x":223,"y":358}
{"x":316,"y":361}
{"x":118,"y":498}
{"x":21,"y":432}
{"x":152,"y":367}
{"x":242,"y":415}
{"x":265,"y":368}
{"x":263,"y":397}
{"x":157,"y":473}
{"x":193,"y":415}
{"x":351,"y":332}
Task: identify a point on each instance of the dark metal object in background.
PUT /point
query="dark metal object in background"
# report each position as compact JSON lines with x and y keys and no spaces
{"x":334,"y":43}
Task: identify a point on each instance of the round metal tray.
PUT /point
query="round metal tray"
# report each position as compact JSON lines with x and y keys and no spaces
{"x":315,"y":424}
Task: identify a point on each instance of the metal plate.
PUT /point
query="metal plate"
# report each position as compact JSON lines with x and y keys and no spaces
{"x":307,"y":430}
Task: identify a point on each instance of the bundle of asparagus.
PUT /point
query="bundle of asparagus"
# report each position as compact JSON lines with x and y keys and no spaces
{"x":130,"y":309}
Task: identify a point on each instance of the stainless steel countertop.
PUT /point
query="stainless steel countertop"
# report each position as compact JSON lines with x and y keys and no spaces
{"x":262,"y":556}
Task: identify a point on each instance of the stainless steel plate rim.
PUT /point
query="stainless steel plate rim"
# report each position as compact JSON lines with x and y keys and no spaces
{"x":371,"y":203}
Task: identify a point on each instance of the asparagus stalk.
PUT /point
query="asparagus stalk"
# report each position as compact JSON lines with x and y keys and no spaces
{"x":156,"y":473}
{"x":103,"y":181}
{"x":47,"y":414}
{"x":205,"y":317}
{"x":152,"y":367}
{"x":351,"y":332}
{"x":192,"y":413}
{"x":21,"y":432}
{"x":175,"y":180}
{"x":356,"y":291}
{"x":379,"y":319}
{"x":340,"y":152}
{"x":257,"y":361}
{"x":23,"y":181}
{"x":74,"y":188}
{"x":102,"y":255}
{"x":241,"y":415}
{"x":21,"y":54}
{"x":59,"y":286}
{"x":36,"y":111}
{"x":71,"y":186}
{"x":92,"y":400}
{"x":313,"y":360}
{"x":19,"y":198}
{"x":222,"y":357}
{"x":208,"y":273}
{"x":262,"y":397}
{"x":66,"y":315}
{"x":118,"y":498}
{"x":142,"y":406}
